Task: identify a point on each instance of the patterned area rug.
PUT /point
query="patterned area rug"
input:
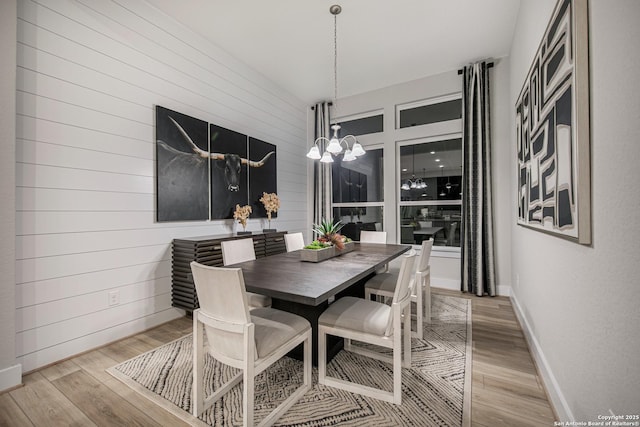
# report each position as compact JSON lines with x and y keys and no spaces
{"x":436,"y":391}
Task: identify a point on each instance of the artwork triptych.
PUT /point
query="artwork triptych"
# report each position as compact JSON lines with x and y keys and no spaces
{"x":203,"y":170}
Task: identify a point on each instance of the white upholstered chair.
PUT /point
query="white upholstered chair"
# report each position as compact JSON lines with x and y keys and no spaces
{"x":241,"y":250}
{"x":374,"y":323}
{"x":367,"y":236}
{"x":247,"y":340}
{"x":383,"y":285}
{"x":293,"y":241}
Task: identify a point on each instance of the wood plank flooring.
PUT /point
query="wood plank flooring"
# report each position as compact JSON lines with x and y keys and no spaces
{"x":506,"y":389}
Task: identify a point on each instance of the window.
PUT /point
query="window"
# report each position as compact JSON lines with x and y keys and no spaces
{"x":361,"y":125}
{"x":431,"y":191}
{"x":358,"y":198}
{"x":429,"y":111}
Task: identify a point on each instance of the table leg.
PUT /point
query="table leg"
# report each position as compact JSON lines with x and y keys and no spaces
{"x":312,"y":313}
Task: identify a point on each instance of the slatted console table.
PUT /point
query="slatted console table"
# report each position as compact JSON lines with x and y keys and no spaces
{"x":207,"y":250}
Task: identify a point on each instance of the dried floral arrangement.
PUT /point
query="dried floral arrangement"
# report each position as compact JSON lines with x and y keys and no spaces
{"x":271,"y":203}
{"x":241,"y":214}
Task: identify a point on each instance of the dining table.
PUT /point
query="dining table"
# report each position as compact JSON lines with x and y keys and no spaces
{"x":307,"y":288}
{"x":425,"y":233}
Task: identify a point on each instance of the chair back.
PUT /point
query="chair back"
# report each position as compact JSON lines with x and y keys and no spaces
{"x":452,"y":233}
{"x":222,"y":297}
{"x":403,"y":290}
{"x":235,"y":251}
{"x":293,"y":241}
{"x":373,"y":236}
{"x":425,"y":255}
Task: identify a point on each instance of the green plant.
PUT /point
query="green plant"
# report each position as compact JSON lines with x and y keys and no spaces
{"x":316,"y":244}
{"x":328,"y":232}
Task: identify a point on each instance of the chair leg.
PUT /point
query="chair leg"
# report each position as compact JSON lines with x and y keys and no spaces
{"x":322,"y":355}
{"x":307,"y":361}
{"x":419,"y":313}
{"x":426,"y":299}
{"x":198,"y":366}
{"x":248,"y":397}
{"x":397,"y":359}
{"x":407,"y":337}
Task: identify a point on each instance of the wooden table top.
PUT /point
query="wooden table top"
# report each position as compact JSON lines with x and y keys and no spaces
{"x":286,"y":277}
{"x":427,"y":230}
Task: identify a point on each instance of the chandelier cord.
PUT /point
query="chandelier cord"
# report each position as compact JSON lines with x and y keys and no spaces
{"x":335,"y":64}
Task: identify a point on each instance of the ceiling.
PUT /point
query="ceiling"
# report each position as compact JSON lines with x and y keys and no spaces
{"x":379,"y":43}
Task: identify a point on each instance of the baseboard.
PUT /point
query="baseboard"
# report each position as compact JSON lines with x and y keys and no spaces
{"x":10,"y":377}
{"x":557,"y":399}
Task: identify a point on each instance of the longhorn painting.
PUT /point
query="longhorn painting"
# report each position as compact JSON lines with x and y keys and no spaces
{"x":203,"y":169}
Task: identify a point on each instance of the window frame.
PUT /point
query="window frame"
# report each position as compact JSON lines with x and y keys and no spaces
{"x":422,"y":103}
{"x":440,"y":251}
{"x":380,"y":204}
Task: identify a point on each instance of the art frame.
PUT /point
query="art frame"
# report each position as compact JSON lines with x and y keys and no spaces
{"x":553,"y":130}
{"x":204,"y":170}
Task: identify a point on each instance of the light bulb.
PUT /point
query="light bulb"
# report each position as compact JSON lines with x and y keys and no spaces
{"x":334,"y":146}
{"x":357,"y":149}
{"x":314,"y":153}
{"x":326,"y":158}
{"x":348,"y":156}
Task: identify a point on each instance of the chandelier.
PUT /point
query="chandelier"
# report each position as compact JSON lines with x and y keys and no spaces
{"x":414,"y":183}
{"x":336,"y":143}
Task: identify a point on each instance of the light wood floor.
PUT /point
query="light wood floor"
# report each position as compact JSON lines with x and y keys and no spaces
{"x":506,"y":389}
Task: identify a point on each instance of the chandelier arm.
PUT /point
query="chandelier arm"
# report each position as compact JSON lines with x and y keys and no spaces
{"x":320,"y":138}
{"x":344,"y":138}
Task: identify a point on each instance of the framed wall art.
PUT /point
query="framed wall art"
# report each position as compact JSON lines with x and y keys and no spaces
{"x":203,"y":170}
{"x":552,"y":130}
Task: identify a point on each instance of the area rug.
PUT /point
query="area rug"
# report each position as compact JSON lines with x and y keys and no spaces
{"x":436,"y":390}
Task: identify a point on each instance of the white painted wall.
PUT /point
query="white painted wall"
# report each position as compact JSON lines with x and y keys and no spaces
{"x":10,"y":370}
{"x":89,"y":75}
{"x":579,"y":304}
{"x":445,"y":269}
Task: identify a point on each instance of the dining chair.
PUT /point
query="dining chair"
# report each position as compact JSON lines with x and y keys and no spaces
{"x":367,"y":236}
{"x":383,"y":285}
{"x":293,"y":241}
{"x":241,"y":250}
{"x":375,"y":237}
{"x":451,"y":236}
{"x":250,"y":341}
{"x":373,"y":323}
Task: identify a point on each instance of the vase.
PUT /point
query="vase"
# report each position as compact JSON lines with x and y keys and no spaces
{"x":348,"y":247}
{"x":317,"y":255}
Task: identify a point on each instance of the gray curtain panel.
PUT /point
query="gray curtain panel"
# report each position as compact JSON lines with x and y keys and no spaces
{"x":478,"y":265}
{"x":322,"y":171}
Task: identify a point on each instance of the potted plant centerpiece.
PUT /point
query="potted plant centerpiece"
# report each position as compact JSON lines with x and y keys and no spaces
{"x":328,"y":244}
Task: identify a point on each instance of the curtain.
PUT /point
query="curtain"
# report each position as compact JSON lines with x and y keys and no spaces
{"x":322,"y":191}
{"x":478,"y":265}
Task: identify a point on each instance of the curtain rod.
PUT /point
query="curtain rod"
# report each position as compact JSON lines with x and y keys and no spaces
{"x":489,"y":65}
{"x":313,"y":107}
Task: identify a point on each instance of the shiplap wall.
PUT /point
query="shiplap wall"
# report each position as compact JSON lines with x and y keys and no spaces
{"x":89,"y":75}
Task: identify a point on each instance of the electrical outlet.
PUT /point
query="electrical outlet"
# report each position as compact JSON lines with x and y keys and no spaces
{"x":114,"y":297}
